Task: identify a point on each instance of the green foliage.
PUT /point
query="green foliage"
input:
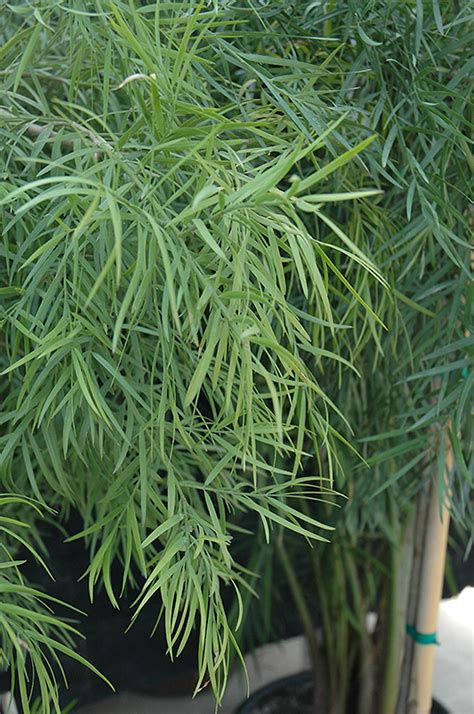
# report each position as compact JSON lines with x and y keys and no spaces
{"x":174,"y":296}
{"x":405,"y":70}
{"x":32,"y":637}
{"x":202,"y":206}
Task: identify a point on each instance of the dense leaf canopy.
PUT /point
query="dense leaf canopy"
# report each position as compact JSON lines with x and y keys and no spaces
{"x":232,"y":240}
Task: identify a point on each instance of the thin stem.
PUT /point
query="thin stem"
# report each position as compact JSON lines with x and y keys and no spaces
{"x":328,"y":629}
{"x":298,"y":597}
{"x":419,"y":537}
{"x":306,"y":620}
{"x":325,"y":610}
{"x":365,"y":654}
{"x":344,"y":654}
{"x":335,"y":631}
{"x":390,"y":662}
{"x":401,"y":558}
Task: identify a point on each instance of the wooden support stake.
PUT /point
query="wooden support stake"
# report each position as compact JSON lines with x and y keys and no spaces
{"x":431,"y":588}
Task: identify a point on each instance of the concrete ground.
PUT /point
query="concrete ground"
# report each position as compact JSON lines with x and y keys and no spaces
{"x":453,"y":681}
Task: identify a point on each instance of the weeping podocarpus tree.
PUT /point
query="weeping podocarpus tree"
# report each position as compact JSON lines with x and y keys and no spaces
{"x":177,"y":308}
{"x":404,"y":74}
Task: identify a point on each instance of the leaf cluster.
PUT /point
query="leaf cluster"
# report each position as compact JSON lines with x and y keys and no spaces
{"x":178,"y":303}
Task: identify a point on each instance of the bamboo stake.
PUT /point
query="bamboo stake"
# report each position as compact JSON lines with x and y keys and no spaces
{"x":426,"y":590}
{"x":431,"y":588}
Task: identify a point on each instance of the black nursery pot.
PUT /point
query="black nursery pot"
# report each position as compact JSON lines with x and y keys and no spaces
{"x":277,"y":690}
{"x":276,"y":697}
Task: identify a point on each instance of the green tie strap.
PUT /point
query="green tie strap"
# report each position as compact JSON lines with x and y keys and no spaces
{"x":422,"y":638}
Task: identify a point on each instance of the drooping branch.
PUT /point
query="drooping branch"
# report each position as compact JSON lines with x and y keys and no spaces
{"x":34,"y":130}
